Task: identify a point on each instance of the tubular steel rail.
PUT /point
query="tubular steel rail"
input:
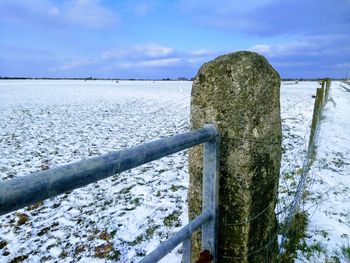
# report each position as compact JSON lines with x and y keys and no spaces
{"x":20,"y":192}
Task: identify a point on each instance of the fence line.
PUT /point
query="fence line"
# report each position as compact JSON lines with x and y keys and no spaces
{"x":321,"y":98}
{"x":27,"y":190}
{"x":181,"y":236}
{"x":249,"y":140}
{"x":290,"y":210}
{"x":347,"y":85}
{"x":269,"y":243}
{"x":20,"y":192}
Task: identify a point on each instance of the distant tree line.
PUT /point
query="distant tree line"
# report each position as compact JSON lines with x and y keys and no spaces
{"x":92,"y":78}
{"x":163,"y":79}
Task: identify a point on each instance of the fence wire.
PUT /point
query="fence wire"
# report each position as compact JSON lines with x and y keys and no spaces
{"x":285,"y":205}
{"x":301,"y":185}
{"x":290,"y":197}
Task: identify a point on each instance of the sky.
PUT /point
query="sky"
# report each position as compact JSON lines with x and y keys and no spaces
{"x":170,"y":38}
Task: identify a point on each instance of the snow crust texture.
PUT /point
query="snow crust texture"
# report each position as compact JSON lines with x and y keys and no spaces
{"x":47,"y":123}
{"x":327,"y":197}
{"x":44,"y":124}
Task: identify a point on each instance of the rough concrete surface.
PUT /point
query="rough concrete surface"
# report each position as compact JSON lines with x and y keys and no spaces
{"x":240,"y":92}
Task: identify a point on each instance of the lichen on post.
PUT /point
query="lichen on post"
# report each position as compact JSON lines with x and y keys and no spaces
{"x":240,"y":93}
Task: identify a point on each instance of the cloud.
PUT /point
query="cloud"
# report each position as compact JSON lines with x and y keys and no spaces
{"x":342,"y":66}
{"x":153,"y":50}
{"x":40,"y":11}
{"x":312,"y":56}
{"x":164,"y":62}
{"x":320,"y":45}
{"x":148,"y":60}
{"x":225,"y":7}
{"x":160,"y":62}
{"x":153,"y":55}
{"x":89,"y":13}
{"x":285,"y":49}
{"x":147,"y":55}
{"x":149,"y":50}
{"x":271,"y":17}
{"x":76,"y":63}
{"x":142,"y":9}
{"x":201,"y":53}
{"x":83,"y":13}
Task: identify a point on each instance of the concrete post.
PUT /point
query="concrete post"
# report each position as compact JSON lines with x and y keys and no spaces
{"x":240,"y":93}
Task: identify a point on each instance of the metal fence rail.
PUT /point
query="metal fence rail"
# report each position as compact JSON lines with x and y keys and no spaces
{"x":27,"y":190}
{"x":181,"y":236}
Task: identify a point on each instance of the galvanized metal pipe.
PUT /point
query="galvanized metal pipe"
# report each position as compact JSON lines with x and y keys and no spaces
{"x":210,"y":195}
{"x":210,"y":199}
{"x":183,"y":234}
{"x":27,"y":190}
{"x":186,"y":250}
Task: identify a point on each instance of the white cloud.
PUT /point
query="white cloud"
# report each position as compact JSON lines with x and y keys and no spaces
{"x":112,"y":54}
{"x":269,"y":17}
{"x":90,"y":13}
{"x":76,"y":63}
{"x":150,"y":50}
{"x":285,"y":49}
{"x":345,"y":66}
{"x":262,"y":49}
{"x":224,"y":7}
{"x":312,"y":46}
{"x":87,"y":13}
{"x":22,"y":10}
{"x":153,"y":55}
{"x":201,"y":53}
{"x":292,"y":64}
{"x":153,"y":50}
{"x":142,"y":9}
{"x":160,"y":62}
{"x":197,"y":60}
{"x":153,"y":63}
{"x":54,"y":11}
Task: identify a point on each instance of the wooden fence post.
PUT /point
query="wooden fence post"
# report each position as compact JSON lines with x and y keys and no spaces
{"x":328,"y":85}
{"x":315,"y":119}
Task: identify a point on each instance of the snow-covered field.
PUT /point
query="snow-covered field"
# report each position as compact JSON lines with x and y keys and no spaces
{"x":47,"y":123}
{"x":328,"y":189}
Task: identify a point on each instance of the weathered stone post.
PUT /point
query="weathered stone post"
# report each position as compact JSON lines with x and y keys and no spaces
{"x":240,"y":92}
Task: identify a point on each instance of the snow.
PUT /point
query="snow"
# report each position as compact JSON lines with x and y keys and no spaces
{"x":46,"y":123}
{"x":329,"y":187}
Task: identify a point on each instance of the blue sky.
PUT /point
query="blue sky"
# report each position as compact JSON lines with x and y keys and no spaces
{"x":170,"y":38}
